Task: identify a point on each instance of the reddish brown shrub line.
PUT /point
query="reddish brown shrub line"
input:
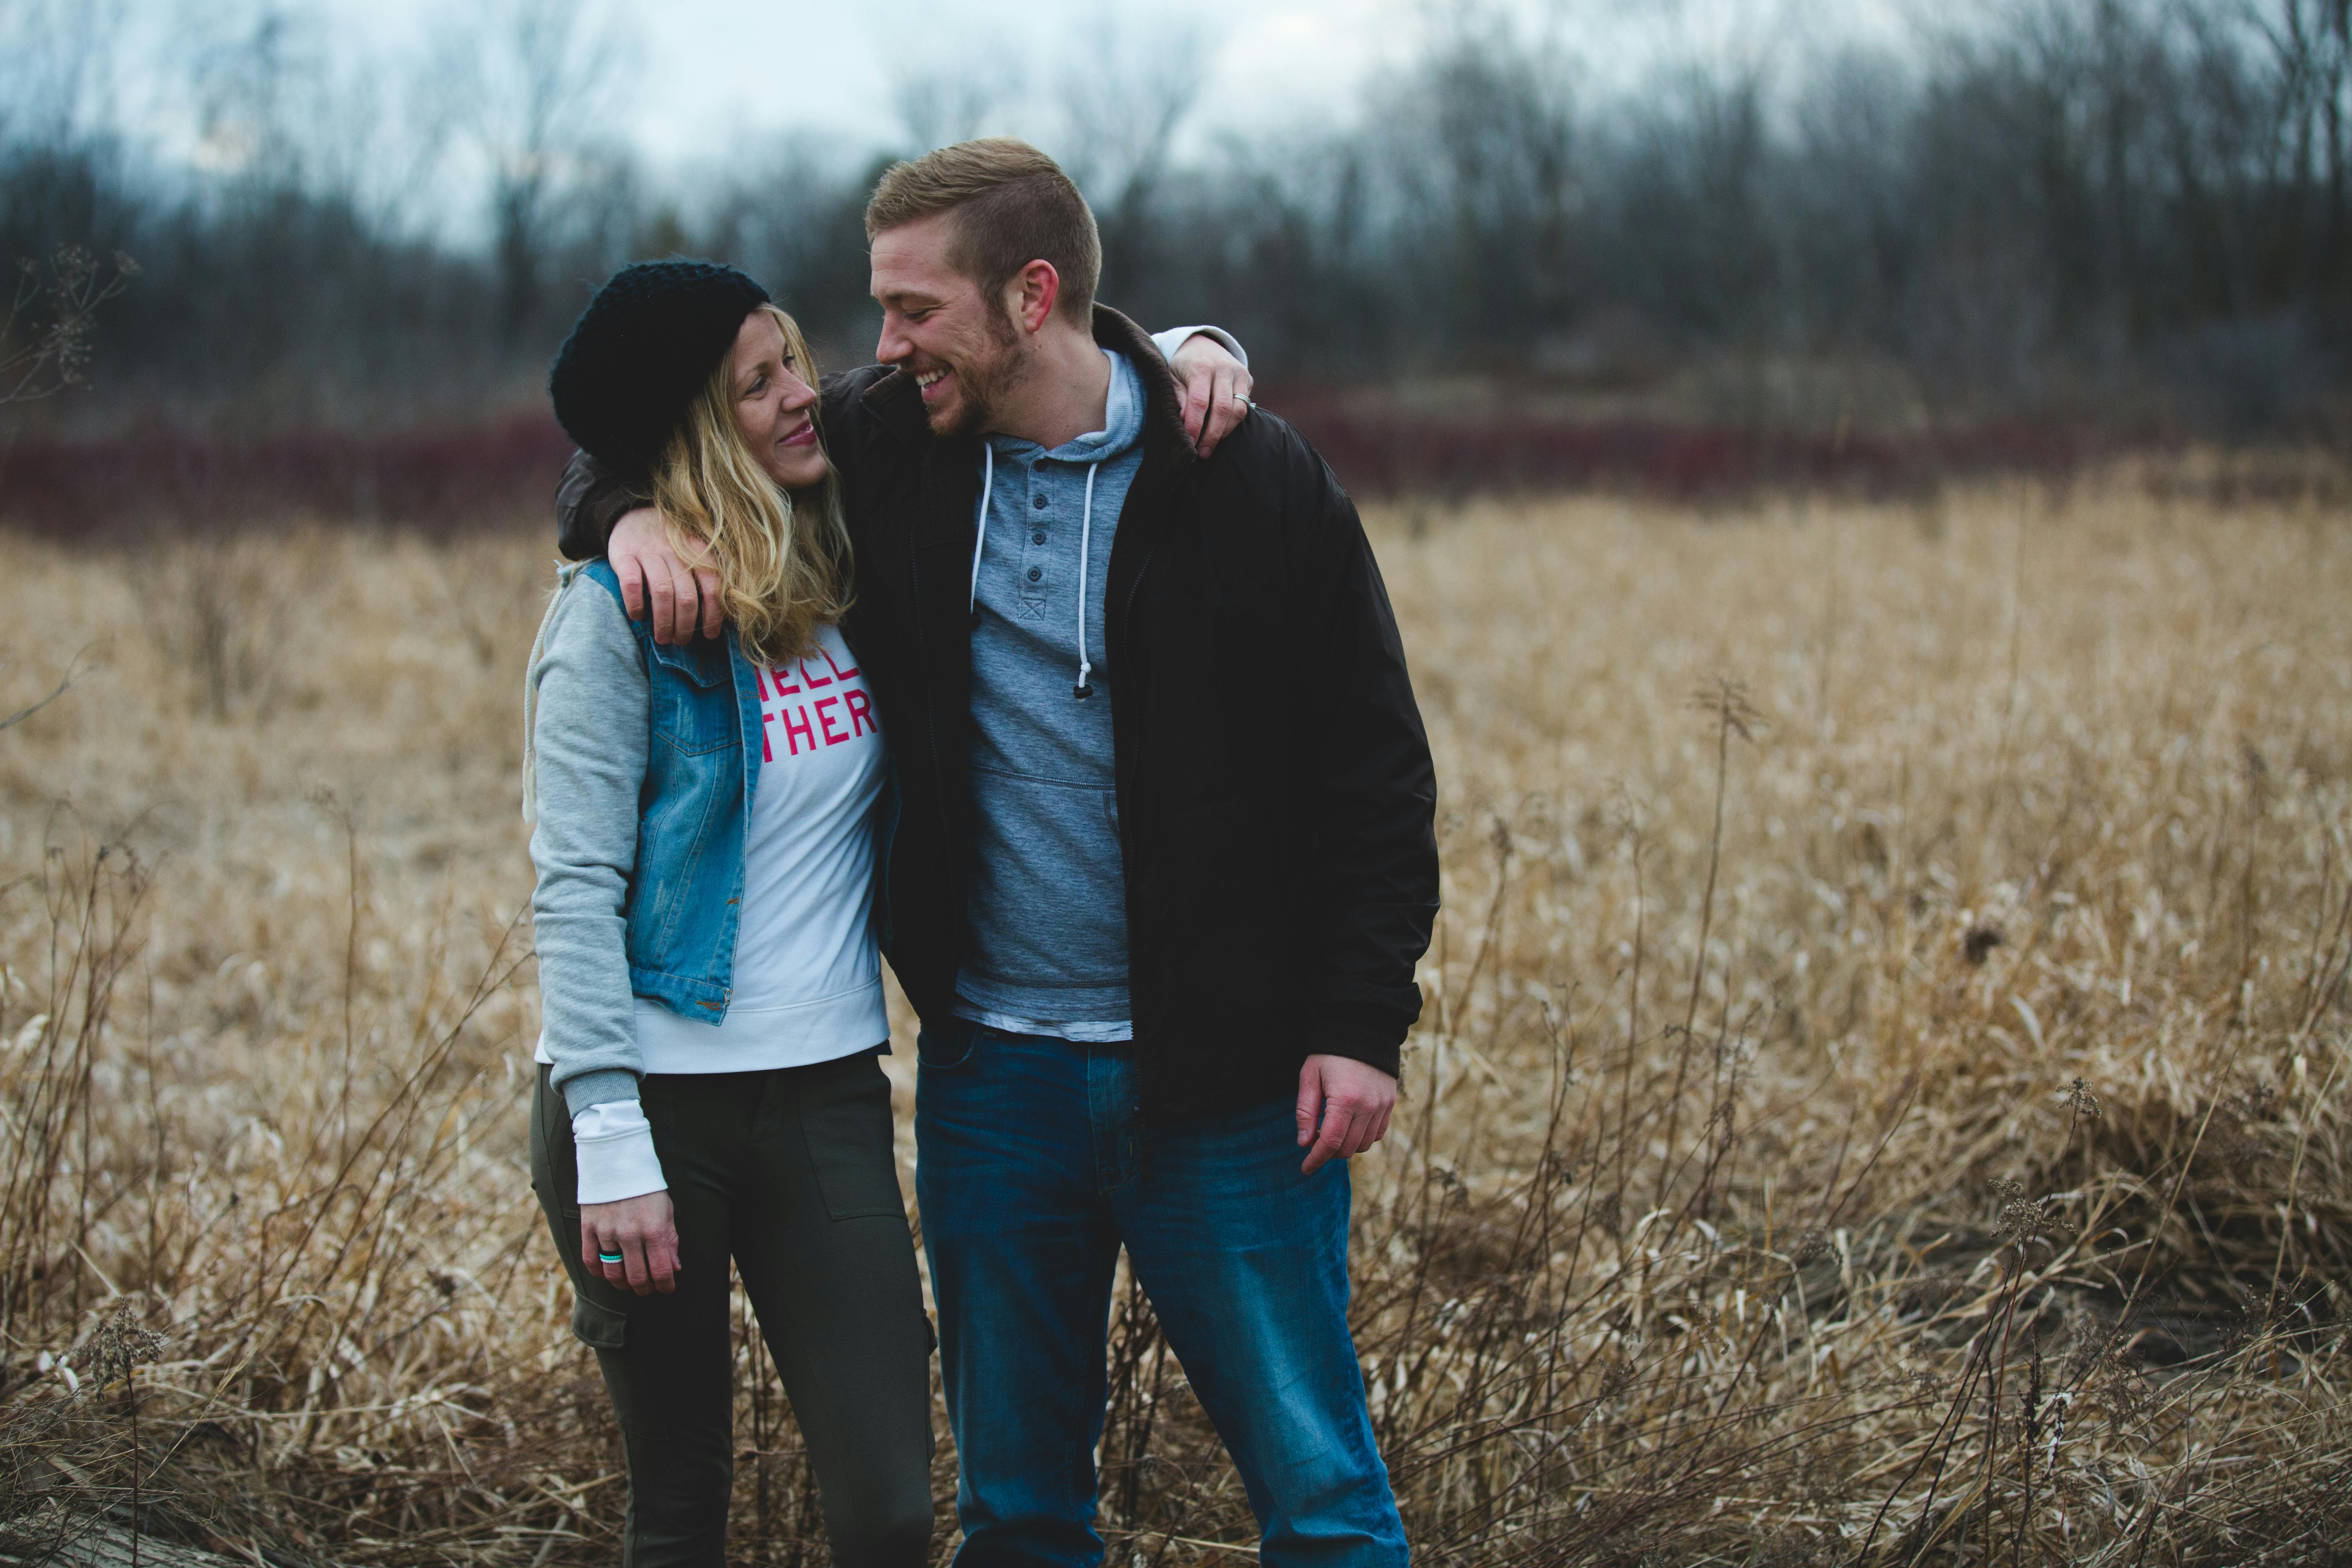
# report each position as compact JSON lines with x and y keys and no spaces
{"x":1397,"y":452}
{"x":442,"y":480}
{"x":437,"y":481}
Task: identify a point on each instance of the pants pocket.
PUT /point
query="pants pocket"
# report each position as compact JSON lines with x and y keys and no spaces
{"x":844,"y":1111}
{"x":948,"y":1047}
{"x":596,"y":1326}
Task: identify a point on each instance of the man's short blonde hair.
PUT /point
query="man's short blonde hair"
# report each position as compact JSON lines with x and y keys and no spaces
{"x":1013,"y":205}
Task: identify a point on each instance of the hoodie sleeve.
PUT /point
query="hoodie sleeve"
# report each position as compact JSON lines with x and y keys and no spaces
{"x":590,"y":732}
{"x":1174,"y":338}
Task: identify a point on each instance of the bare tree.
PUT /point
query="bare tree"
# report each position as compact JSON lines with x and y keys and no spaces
{"x":949,"y":102}
{"x":2310,"y":42}
{"x":530,"y":84}
{"x":1480,"y":139}
{"x":1125,"y":98}
{"x":54,"y":56}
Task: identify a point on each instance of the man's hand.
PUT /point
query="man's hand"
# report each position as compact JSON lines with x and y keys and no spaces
{"x":652,"y":574}
{"x":643,"y":1231}
{"x":1343,"y":1108}
{"x":1217,"y":390}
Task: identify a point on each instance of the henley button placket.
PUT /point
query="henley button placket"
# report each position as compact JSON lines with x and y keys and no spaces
{"x":1033,"y":571}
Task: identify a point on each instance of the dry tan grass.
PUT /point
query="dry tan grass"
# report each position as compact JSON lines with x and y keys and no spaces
{"x":1879,"y":1096}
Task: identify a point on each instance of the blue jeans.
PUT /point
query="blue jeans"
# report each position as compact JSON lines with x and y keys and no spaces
{"x":1034,"y":1168}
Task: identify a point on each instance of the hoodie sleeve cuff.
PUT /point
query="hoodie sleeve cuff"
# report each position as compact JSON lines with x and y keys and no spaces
{"x":582,"y":1091}
{"x":615,"y":1143}
{"x":1169,"y":342}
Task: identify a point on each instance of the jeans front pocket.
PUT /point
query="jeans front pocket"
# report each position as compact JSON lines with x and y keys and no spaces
{"x":948,"y":1047}
{"x":844,"y":1115}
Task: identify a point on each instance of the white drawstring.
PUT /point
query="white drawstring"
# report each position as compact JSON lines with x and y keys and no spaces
{"x":1084,"y":688}
{"x":987,"y":483}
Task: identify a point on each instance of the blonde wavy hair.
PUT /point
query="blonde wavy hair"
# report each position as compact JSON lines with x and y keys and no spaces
{"x":782,"y":559}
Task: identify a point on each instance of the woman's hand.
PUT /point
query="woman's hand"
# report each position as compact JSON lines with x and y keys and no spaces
{"x":642,"y":1232}
{"x":653,"y":578}
{"x":1217,"y":388}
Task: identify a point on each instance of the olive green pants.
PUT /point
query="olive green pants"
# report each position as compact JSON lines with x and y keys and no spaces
{"x":791,"y":1173}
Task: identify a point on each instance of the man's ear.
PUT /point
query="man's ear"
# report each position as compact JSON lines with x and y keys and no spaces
{"x":1032,"y":295}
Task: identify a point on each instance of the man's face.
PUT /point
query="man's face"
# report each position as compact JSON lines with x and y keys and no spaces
{"x":961,"y":347}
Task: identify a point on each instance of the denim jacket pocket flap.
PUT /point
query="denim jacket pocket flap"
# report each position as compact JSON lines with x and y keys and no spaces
{"x":694,"y":701}
{"x":601,"y":1327}
{"x":702,"y":661}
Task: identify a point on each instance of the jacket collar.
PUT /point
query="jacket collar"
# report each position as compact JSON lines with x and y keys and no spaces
{"x":897,"y":404}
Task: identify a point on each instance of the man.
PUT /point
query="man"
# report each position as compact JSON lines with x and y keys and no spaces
{"x":1157,"y":869}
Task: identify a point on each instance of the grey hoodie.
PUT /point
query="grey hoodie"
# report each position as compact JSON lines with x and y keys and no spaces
{"x":1046,"y":924}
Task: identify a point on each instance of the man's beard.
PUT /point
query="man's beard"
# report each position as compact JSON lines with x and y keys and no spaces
{"x":983,"y":388}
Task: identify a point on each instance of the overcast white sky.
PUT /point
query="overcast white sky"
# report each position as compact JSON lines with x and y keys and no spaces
{"x":706,"y":73}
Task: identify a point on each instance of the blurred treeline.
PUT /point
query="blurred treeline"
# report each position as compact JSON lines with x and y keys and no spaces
{"x":2120,"y":213}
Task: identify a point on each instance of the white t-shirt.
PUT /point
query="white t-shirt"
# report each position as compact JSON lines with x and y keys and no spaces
{"x":808,"y":979}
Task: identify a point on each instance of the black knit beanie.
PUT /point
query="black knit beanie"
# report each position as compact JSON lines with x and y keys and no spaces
{"x":645,"y":346}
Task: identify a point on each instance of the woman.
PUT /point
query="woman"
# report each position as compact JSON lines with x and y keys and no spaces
{"x":712,"y":992}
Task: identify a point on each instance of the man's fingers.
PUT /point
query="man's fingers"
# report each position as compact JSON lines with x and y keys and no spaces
{"x":1310,"y":1101}
{"x":630,"y":571}
{"x":1333,"y":1140}
{"x":688,"y":590}
{"x":685,"y":589}
{"x":706,"y":586}
{"x":1360,"y":1130}
{"x":661,"y":594}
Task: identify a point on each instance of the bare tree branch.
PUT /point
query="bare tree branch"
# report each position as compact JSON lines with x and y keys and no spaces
{"x":529,"y":85}
{"x":73,"y":677}
{"x":45,"y":336}
{"x":953,"y":101}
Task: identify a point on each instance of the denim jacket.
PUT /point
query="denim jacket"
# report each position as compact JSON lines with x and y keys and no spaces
{"x":650,"y":831}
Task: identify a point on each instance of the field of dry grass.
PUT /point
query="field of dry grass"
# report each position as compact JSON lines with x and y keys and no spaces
{"x":1880,"y":1097}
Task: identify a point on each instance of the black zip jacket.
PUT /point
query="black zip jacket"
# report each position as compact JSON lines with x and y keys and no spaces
{"x":1276,"y":795}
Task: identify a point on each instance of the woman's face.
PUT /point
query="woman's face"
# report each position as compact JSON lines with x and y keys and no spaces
{"x":774,"y":408}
